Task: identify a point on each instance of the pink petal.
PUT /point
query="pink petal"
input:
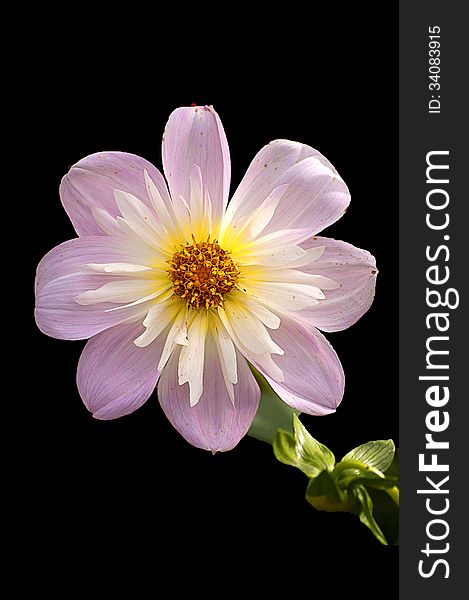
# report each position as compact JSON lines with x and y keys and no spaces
{"x":314,"y":379}
{"x":355,"y":270}
{"x":213,"y":423}
{"x":90,"y":183}
{"x":115,"y":377}
{"x":60,"y":278}
{"x":195,"y":136}
{"x":315,"y":195}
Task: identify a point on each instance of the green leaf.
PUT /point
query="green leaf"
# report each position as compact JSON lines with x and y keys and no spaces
{"x":324,"y":494}
{"x":393,"y":470}
{"x":314,"y":454}
{"x":272,"y":414}
{"x":378,"y":454}
{"x":393,"y":493}
{"x":285,"y":448}
{"x":386,"y":514}
{"x":301,"y":450}
{"x":287,"y":451}
{"x":385,"y":483}
{"x":350,"y":473}
{"x":365,"y":513}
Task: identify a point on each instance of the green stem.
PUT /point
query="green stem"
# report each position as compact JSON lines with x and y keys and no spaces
{"x":273,"y":413}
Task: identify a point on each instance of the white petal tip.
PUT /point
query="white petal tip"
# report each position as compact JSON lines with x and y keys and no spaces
{"x":194,"y":399}
{"x":85,"y":299}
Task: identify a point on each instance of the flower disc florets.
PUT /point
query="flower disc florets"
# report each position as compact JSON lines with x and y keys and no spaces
{"x":203,"y":274}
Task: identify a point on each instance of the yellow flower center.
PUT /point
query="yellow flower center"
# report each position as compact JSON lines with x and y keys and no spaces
{"x":202,"y":274}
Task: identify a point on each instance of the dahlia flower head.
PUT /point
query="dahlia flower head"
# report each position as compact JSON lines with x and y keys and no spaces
{"x":178,"y":288}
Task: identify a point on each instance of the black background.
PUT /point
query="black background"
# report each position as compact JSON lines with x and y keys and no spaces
{"x":131,"y":497}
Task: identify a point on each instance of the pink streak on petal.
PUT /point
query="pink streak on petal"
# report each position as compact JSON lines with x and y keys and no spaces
{"x":316,"y":196}
{"x":90,"y":184}
{"x":212,"y":424}
{"x":195,"y":136}
{"x":314,"y":378}
{"x":60,"y":278}
{"x":114,"y":376}
{"x":355,"y":270}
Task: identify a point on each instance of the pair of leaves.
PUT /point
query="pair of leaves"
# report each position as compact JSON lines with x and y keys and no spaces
{"x":366,"y":475}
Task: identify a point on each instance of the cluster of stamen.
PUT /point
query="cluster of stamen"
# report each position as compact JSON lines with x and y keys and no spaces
{"x":202,"y":274}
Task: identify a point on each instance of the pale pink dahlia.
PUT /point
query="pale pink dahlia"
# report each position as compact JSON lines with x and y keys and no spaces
{"x":182,"y":289}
